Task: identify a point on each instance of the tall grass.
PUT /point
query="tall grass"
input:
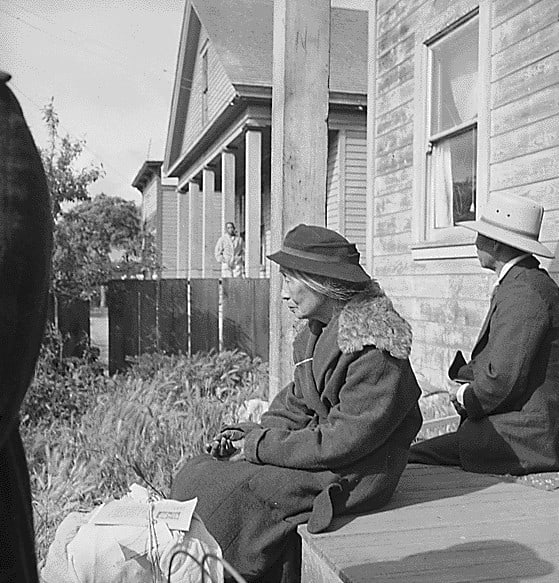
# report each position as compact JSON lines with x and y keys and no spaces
{"x":88,"y":436}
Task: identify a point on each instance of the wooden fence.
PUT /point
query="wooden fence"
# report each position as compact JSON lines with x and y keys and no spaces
{"x":187,"y":316}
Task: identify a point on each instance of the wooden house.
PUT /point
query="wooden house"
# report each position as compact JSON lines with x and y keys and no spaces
{"x":158,"y":213}
{"x":463,"y":102}
{"x":219,"y":136}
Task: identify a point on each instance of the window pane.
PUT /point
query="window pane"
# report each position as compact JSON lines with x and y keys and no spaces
{"x":454,"y":78}
{"x":464,"y":149}
{"x":452,"y":179}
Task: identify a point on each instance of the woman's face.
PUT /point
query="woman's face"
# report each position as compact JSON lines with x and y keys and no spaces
{"x":303,"y":302}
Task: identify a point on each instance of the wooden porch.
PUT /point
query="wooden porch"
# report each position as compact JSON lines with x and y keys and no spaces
{"x":444,"y":525}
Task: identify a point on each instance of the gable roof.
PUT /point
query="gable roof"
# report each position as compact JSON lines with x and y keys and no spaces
{"x":241,"y":32}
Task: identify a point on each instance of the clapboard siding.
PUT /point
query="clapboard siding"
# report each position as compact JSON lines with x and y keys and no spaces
{"x":395,"y":98}
{"x":399,"y":181}
{"x":445,"y":300}
{"x":506,"y":9}
{"x":220,"y":91}
{"x":356,"y":188}
{"x":524,"y":24}
{"x":168,"y":237}
{"x":524,"y":140}
{"x":528,"y":80}
{"x":149,"y":201}
{"x":528,"y":51}
{"x":525,"y":110}
{"x":333,"y":183}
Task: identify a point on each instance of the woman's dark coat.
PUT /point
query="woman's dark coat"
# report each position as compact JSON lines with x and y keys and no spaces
{"x":512,"y":404}
{"x":334,"y":441}
{"x":25,"y":247}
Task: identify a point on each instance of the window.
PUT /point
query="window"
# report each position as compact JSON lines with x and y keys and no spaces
{"x":450,"y":103}
{"x":452,"y":141}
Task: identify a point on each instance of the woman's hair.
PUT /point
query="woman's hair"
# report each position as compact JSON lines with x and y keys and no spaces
{"x":336,"y":289}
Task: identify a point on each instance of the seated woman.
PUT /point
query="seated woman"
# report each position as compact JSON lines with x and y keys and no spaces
{"x":335,"y":440}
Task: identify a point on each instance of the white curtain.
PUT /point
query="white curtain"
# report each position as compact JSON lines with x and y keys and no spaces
{"x":441,"y":184}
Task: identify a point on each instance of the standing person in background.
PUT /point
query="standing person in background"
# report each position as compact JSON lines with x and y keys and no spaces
{"x":25,"y":252}
{"x":230,"y":252}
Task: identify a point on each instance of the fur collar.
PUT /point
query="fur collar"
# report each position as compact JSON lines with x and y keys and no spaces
{"x":370,"y":319}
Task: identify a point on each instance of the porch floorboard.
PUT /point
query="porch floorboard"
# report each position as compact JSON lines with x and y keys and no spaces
{"x":442,"y":525}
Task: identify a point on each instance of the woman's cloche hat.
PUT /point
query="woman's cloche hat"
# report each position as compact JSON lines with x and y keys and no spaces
{"x":320,"y":251}
{"x":513,"y":220}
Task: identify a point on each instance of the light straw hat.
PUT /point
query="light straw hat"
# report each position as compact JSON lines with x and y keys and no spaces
{"x":513,"y":220}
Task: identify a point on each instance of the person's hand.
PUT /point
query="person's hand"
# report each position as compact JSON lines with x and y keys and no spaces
{"x":226,"y":443}
{"x":453,"y":389}
{"x":239,"y":454}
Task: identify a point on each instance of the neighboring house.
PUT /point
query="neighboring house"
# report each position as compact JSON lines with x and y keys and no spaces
{"x":218,"y":144}
{"x":466,"y":98}
{"x":159,"y":211}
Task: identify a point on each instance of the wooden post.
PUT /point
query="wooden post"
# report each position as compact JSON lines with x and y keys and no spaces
{"x":212,"y":227}
{"x":299,"y":145}
{"x":227,"y":187}
{"x":253,"y":201}
{"x":195,"y":220}
{"x":181,"y":267}
{"x":371,"y":134}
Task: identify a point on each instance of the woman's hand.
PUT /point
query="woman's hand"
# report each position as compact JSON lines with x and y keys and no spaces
{"x":229,"y":443}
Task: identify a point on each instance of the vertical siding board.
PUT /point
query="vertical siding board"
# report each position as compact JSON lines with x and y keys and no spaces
{"x":204,"y":327}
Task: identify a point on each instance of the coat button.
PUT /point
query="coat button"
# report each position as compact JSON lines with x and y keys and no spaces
{"x":4,"y":77}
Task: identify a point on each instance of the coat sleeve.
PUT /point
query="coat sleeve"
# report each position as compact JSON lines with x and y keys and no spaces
{"x":366,"y":414}
{"x":501,"y":370}
{"x":288,"y":410}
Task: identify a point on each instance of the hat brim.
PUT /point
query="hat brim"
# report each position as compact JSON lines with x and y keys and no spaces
{"x":503,"y":236}
{"x":343,"y":271}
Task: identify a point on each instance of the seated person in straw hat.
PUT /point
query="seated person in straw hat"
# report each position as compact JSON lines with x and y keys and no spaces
{"x":509,"y":392}
{"x":335,"y":440}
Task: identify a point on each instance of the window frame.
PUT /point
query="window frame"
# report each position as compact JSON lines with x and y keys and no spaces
{"x":451,"y":242}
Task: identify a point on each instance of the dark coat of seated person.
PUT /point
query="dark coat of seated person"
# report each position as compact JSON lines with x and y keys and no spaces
{"x":509,"y":392}
{"x":335,"y":440}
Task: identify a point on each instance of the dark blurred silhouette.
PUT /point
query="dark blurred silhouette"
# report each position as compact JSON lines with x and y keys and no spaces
{"x":25,"y":254}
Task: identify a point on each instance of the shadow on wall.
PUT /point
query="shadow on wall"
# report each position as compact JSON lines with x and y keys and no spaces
{"x":482,"y":560}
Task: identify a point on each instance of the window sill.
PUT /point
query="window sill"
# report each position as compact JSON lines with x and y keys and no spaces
{"x":430,"y":250}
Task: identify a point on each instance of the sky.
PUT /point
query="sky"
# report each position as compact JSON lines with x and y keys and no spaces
{"x":110,"y":67}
